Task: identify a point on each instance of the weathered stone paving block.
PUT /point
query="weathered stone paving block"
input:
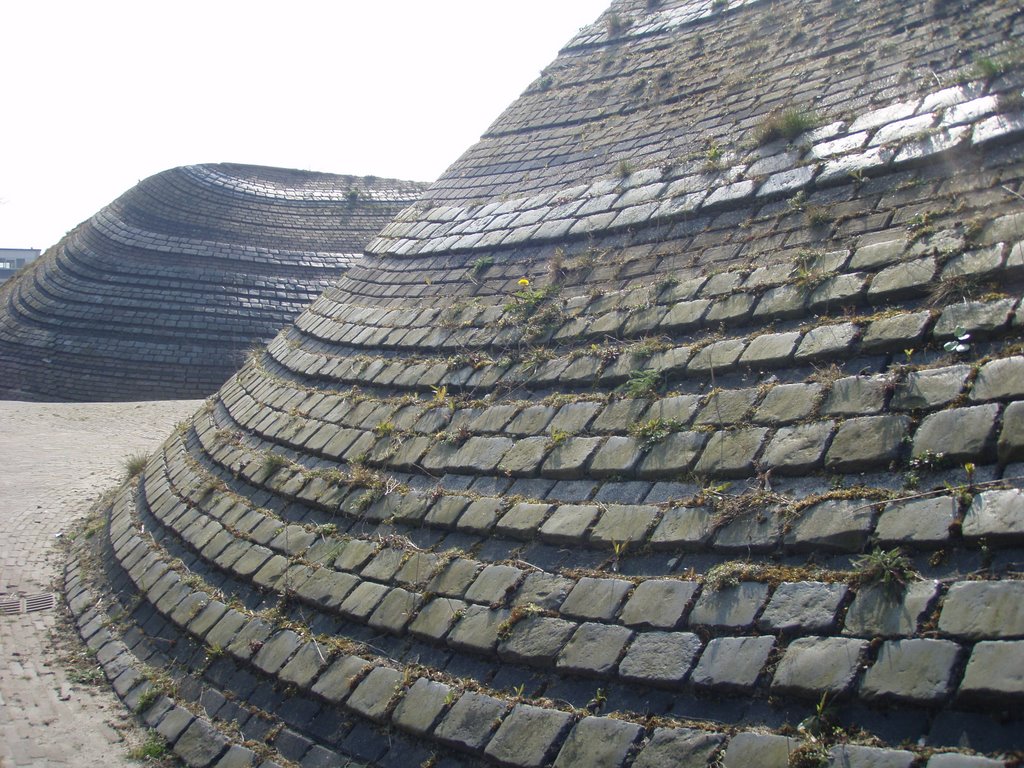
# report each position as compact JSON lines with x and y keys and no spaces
{"x":682,"y":747}
{"x":995,"y":669}
{"x":471,"y":721}
{"x":854,"y":756}
{"x":806,"y":606}
{"x":596,"y":598}
{"x":815,"y":665}
{"x":733,"y":662}
{"x":920,"y":521}
{"x":995,"y":515}
{"x":600,"y":742}
{"x":983,"y":609}
{"x":660,"y":658}
{"x":833,"y":525}
{"x":746,"y":749}
{"x":660,"y":603}
{"x":421,"y":706}
{"x":528,"y":736}
{"x":890,"y":610}
{"x":594,"y":649}
{"x":914,"y":669}
{"x":867,"y":441}
{"x":730,"y":606}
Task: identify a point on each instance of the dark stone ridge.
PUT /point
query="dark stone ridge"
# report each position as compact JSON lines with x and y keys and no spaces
{"x":672,"y":418}
{"x":162,"y":293}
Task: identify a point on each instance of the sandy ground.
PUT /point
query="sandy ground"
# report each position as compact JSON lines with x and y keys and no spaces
{"x":56,"y":459}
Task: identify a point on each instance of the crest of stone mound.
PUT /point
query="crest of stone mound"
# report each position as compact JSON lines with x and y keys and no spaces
{"x":679,"y":424}
{"x":162,"y":293}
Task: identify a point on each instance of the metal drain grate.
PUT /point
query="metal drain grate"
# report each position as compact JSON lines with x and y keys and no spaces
{"x":12,"y":605}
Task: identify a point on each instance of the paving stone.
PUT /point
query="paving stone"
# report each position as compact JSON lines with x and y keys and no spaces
{"x":470,"y":721}
{"x":770,"y":349}
{"x":455,"y":579}
{"x":856,"y":396}
{"x":786,"y":403}
{"x":907,"y":279}
{"x":374,"y":693}
{"x":803,"y":606}
{"x":276,"y":651}
{"x":362,"y":601}
{"x":976,"y":317}
{"x":717,"y":356}
{"x":623,"y":524}
{"x":827,"y":341}
{"x":854,"y":756}
{"x":867,"y":441}
{"x":523,"y":459}
{"x":616,"y":458}
{"x":569,"y":523}
{"x":683,"y":528}
{"x":435,"y":618}
{"x":731,"y":453}
{"x":930,"y":388}
{"x":338,"y":680}
{"x":678,"y":748}
{"x":594,"y":649}
{"x":758,"y":530}
{"x":812,"y":666}
{"x":983,"y":609}
{"x":659,"y":603}
{"x":494,"y":584}
{"x":478,"y":629}
{"x":306,"y":664}
{"x":958,"y":434}
{"x":896,"y":333}
{"x":730,"y":607}
{"x":956,"y":760}
{"x":798,"y":449}
{"x":421,"y":706}
{"x":598,"y":742}
{"x":997,"y":516}
{"x":678,"y":409}
{"x":395,"y":611}
{"x":237,"y":757}
{"x":200,"y":745}
{"x":917,"y":521}
{"x":672,"y":456}
{"x":834,"y":525}
{"x":733,"y":662}
{"x":763,"y":750}
{"x":529,"y":736}
{"x":481,"y":454}
{"x":536,"y":640}
{"x":999,"y":380}
{"x":995,"y":671}
{"x":726,"y":407}
{"x":547,"y":590}
{"x":889,"y":611}
{"x":619,"y":415}
{"x":523,"y":520}
{"x":911,"y":670}
{"x":1011,"y":436}
{"x":596,"y":599}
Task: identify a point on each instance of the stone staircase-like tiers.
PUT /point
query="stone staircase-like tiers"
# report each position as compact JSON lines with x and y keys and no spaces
{"x":680,"y":423}
{"x":162,"y":293}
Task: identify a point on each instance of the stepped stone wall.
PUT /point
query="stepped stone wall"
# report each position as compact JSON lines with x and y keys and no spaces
{"x":162,"y":293}
{"x":679,"y":424}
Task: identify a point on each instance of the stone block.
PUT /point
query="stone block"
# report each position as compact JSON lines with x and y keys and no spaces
{"x":362,"y":601}
{"x":623,"y":524}
{"x":1010,"y":446}
{"x":616,"y":458}
{"x":812,"y":666}
{"x":529,"y":736}
{"x":798,"y":449}
{"x":958,"y":434}
{"x":757,"y":530}
{"x":596,"y":599}
{"x":421,"y":706}
{"x":547,"y":590}
{"x":523,"y":520}
{"x":997,"y":516}
{"x":276,"y":651}
{"x":659,"y":603}
{"x":728,"y":406}
{"x":786,"y":403}
{"x":569,"y":523}
{"x":306,"y":664}
{"x":957,"y":760}
{"x":523,"y":458}
{"x":918,"y":670}
{"x":918,"y":521}
{"x":478,"y":629}
{"x":977,"y":610}
{"x":763,"y":750}
{"x":337,"y":681}
{"x":731,"y":453}
{"x":678,"y":748}
{"x":856,"y":396}
{"x":481,"y":515}
{"x":672,"y":456}
{"x":687,"y":528}
{"x":827,"y":341}
{"x":436,"y":618}
{"x":372,"y":696}
{"x":834,"y":525}
{"x":907,"y":279}
{"x":471,"y":721}
{"x":598,"y":742}
{"x":804,"y":607}
{"x":770,"y":349}
{"x":494,"y":584}
{"x":867,"y":441}
{"x":854,"y":756}
{"x":594,"y":649}
{"x":995,"y":671}
{"x":890,"y":611}
{"x":455,"y":578}
{"x":896,"y":333}
{"x":537,"y":640}
{"x":731,"y":607}
{"x":733,"y":662}
{"x":717,"y":356}
{"x":200,"y":745}
{"x":395,"y":611}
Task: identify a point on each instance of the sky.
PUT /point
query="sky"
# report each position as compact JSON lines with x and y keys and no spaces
{"x":98,"y":95}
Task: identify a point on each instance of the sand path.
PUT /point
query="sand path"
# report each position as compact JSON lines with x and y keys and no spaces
{"x":55,"y":460}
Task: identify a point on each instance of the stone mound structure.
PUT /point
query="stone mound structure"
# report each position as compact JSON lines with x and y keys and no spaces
{"x":162,"y":293}
{"x":679,"y":424}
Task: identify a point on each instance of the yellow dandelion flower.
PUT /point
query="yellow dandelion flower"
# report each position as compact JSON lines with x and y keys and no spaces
{"x":524,"y":282}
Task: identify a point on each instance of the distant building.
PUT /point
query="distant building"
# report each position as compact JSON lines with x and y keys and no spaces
{"x":13,"y":259}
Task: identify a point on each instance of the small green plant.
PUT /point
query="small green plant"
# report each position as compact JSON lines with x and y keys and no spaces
{"x":927,"y":461}
{"x":889,"y":568}
{"x":135,"y":463}
{"x":352,"y":195}
{"x":653,"y":431}
{"x":642,"y":383}
{"x":961,"y":341}
{"x":787,"y":124}
{"x":623,"y":169}
{"x":147,"y":699}
{"x":597,"y":703}
{"x":558,"y":436}
{"x":384,"y":429}
{"x":273,"y":462}
{"x":482,"y":263}
{"x":713,"y":155}
{"x":153,"y":748}
{"x":719,"y":5}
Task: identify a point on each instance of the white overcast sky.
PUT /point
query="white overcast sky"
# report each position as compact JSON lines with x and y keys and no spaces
{"x":99,"y":94}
